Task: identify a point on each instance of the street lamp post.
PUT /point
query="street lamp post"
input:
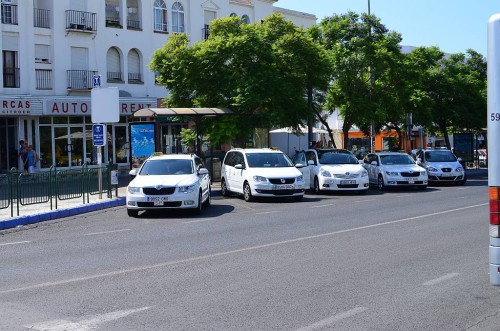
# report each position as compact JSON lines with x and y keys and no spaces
{"x":372,"y":129}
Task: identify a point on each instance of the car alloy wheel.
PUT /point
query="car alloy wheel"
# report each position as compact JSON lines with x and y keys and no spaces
{"x":381,"y":184}
{"x":247,"y":192}
{"x":316,"y":186}
{"x":208,"y":201}
{"x":198,"y":209}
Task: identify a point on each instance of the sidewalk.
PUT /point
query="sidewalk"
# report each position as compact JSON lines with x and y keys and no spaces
{"x":41,"y":212}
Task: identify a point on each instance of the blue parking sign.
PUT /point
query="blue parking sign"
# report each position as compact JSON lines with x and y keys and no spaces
{"x":99,"y":134}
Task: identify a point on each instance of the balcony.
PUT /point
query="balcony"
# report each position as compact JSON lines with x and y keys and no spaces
{"x":9,"y":14}
{"x":43,"y":79}
{"x":80,"y":21}
{"x":135,"y":78}
{"x":80,"y":79}
{"x":113,"y":22}
{"x":134,"y":25}
{"x":11,"y":77}
{"x":114,"y":77}
{"x":41,"y":18}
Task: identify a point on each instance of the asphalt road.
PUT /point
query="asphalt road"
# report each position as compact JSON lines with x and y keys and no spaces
{"x":398,"y":260}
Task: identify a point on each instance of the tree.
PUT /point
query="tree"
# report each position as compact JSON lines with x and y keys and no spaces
{"x":261,"y":71}
{"x":362,"y":51}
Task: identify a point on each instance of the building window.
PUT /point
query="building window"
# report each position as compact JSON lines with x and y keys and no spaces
{"x":134,"y":67}
{"x":177,"y":18}
{"x":10,"y":69}
{"x":113,"y":18}
{"x":245,"y":19}
{"x":113,"y":62}
{"x":160,"y":16}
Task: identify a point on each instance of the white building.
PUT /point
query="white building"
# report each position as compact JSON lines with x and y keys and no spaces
{"x":52,"y":50}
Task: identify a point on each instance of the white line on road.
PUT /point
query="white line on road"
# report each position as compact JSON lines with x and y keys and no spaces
{"x":441,"y":279}
{"x":464,"y":188}
{"x":334,"y":319}
{"x":16,"y":243}
{"x":91,"y":323}
{"x":268,"y":212}
{"x":197,"y":221}
{"x":365,"y":200}
{"x":106,"y":232}
{"x":236,"y":251}
{"x":320,"y":206}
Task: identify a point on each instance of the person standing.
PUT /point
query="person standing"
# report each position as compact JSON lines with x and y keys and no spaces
{"x":31,"y":159}
{"x":22,"y":154}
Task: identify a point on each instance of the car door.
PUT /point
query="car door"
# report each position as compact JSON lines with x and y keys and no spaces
{"x":203,"y":179}
{"x":238,"y":175}
{"x":313,"y":168}
{"x":300,"y":159}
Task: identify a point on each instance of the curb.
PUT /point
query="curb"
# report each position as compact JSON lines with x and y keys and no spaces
{"x":60,"y":213}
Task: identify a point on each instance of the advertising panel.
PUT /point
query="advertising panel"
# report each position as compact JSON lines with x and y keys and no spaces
{"x":142,"y":142}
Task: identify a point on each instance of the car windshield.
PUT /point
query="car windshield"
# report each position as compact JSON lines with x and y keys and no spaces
{"x":331,"y":157}
{"x":439,"y":156}
{"x":268,"y":160}
{"x":167,"y":167}
{"x":396,"y":159}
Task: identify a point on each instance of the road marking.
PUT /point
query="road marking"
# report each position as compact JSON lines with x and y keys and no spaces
{"x":441,"y":279}
{"x":403,"y":195}
{"x":268,"y":212}
{"x":321,"y":206}
{"x":365,"y":200}
{"x":463,"y":188}
{"x":334,"y":319}
{"x":197,"y":221}
{"x":91,"y":323}
{"x":106,"y":232}
{"x":16,"y":243}
{"x":236,"y":251}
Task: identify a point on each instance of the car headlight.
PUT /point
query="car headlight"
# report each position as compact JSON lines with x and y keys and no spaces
{"x":186,"y":189}
{"x":432,"y":169}
{"x":392,"y":173}
{"x":364,"y":173}
{"x":325,"y":173}
{"x":134,"y":190}
{"x":259,"y":179}
{"x":423,"y":173}
{"x":300,"y":179}
{"x":460,"y":169}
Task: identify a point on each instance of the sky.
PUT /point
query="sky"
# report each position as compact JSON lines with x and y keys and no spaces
{"x":452,"y":25}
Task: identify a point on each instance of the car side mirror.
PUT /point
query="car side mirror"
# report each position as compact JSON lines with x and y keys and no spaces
{"x":203,"y":171}
{"x":310,"y":162}
{"x":133,"y":172}
{"x":299,"y":165}
{"x":375,"y":163}
{"x":238,"y":166}
{"x":459,"y":159}
{"x":419,"y":160}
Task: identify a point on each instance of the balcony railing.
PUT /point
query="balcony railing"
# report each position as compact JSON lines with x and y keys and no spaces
{"x":41,"y":18}
{"x":9,"y":14}
{"x":11,"y":77}
{"x":80,"y":79}
{"x":135,"y":78}
{"x":114,"y":77}
{"x":81,"y":21}
{"x":43,"y":79}
{"x":133,"y":24}
{"x":205,"y":32}
{"x":113,"y":22}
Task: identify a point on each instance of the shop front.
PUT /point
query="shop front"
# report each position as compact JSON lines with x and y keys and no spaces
{"x":60,"y":130}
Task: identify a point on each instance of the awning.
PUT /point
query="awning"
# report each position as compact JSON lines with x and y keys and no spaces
{"x":154,"y":112}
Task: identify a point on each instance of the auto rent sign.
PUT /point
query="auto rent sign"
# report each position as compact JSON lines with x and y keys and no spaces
{"x":82,"y":108}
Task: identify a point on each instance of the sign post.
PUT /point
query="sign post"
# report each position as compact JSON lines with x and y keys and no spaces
{"x":105,"y":109}
{"x":494,"y":145}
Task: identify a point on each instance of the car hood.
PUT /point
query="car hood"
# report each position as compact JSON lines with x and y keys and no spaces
{"x":281,"y":172}
{"x":440,"y":165}
{"x":402,"y":168}
{"x":342,"y":168}
{"x":165,"y":181}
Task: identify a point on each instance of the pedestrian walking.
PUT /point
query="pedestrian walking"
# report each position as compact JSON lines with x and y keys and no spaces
{"x":31,"y":159}
{"x":22,"y":156}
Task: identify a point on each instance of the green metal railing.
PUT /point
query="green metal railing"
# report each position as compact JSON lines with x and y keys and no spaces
{"x":21,"y":189}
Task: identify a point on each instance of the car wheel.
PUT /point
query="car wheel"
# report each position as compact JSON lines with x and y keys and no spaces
{"x":132,"y":212}
{"x":198,"y":209}
{"x":298,"y":198}
{"x":247,"y":192}
{"x":223,"y":188}
{"x":462,"y":182}
{"x":316,"y":186}
{"x":208,"y":202}
{"x":380,"y":183}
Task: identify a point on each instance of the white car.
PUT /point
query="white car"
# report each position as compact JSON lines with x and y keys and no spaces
{"x":260,"y":172}
{"x":391,"y":169}
{"x":331,"y":170}
{"x":174,"y":181}
{"x":442,"y":166}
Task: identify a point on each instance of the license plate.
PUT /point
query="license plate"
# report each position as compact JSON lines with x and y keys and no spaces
{"x":447,"y":175}
{"x":347,"y":182}
{"x":283,"y":187}
{"x":411,"y":181}
{"x":158,"y":201}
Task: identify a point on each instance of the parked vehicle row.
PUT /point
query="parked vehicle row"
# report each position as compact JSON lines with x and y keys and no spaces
{"x":179,"y":181}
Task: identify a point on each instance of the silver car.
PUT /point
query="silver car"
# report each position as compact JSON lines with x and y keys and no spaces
{"x":390,"y":169}
{"x":442,"y":166}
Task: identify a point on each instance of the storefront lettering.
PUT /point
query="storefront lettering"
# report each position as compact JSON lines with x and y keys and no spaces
{"x":130,"y":108}
{"x":67,"y":107}
{"x":15,"y":104}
